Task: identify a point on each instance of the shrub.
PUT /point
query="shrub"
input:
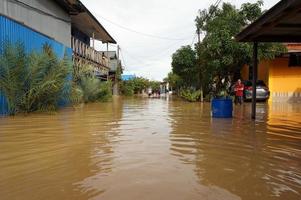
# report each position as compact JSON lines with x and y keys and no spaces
{"x":87,"y":87}
{"x":105,"y":91}
{"x":190,"y":95}
{"x":34,"y":82}
{"x":45,"y":81}
{"x":127,"y":88}
{"x":13,"y":64}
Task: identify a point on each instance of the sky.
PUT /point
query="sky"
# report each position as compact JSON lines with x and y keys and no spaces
{"x":150,"y":31}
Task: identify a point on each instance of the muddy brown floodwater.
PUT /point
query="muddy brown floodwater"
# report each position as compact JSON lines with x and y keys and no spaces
{"x":152,"y":149}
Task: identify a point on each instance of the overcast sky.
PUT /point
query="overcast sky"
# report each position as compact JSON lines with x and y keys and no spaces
{"x":170,"y":22}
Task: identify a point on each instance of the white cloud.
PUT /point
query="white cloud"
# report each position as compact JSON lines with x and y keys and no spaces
{"x":146,"y":56}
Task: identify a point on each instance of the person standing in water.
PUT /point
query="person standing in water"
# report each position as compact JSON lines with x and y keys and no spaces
{"x":239,"y":92}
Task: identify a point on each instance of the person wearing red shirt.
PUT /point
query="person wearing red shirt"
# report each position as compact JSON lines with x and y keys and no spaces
{"x":239,"y":92}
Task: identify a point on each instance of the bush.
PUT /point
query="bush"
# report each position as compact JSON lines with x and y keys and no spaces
{"x":105,"y":93}
{"x":34,"y":82}
{"x":137,"y":85}
{"x":42,"y":81}
{"x":127,"y":88}
{"x":87,"y":87}
{"x":190,"y":95}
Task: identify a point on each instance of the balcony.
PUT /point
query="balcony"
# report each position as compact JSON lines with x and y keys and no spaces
{"x":84,"y":54}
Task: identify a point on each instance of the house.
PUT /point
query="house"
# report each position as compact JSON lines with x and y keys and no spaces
{"x":115,"y":69}
{"x":281,"y":23}
{"x":282,"y":75}
{"x":66,"y":25}
{"x":115,"y":65}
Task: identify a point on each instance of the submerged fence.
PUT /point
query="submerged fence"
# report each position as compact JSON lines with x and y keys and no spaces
{"x":13,"y":32}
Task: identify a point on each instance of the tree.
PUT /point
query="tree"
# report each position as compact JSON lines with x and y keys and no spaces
{"x":184,"y":65}
{"x":173,"y":80}
{"x":221,"y":56}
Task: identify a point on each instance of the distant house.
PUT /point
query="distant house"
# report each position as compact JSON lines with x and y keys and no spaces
{"x":282,"y":75}
{"x":115,"y":65}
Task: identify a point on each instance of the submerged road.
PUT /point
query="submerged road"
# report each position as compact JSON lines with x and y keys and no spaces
{"x":152,"y":149}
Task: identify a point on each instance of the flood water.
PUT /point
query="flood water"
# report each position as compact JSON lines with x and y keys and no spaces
{"x":152,"y":149}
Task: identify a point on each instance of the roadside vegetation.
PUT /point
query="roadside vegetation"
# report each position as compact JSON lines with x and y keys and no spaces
{"x":87,"y":87}
{"x":214,"y":63}
{"x":137,"y":86}
{"x":42,"y":82}
{"x":35,"y":82}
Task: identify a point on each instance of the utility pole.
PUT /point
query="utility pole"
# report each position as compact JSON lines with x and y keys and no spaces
{"x":254,"y":79}
{"x":118,"y":49}
{"x":108,"y":60}
{"x":118,"y":70}
{"x":199,"y":63}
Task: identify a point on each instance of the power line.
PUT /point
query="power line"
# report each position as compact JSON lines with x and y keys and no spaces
{"x":162,"y":52}
{"x":194,"y":37}
{"x":122,"y":57}
{"x":139,"y":32}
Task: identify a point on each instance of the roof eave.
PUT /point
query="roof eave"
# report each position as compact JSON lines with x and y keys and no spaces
{"x":68,"y":5}
{"x":246,"y":34}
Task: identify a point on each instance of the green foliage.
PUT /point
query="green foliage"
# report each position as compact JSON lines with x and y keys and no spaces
{"x":45,"y":81}
{"x":34,"y":82}
{"x":190,"y":95}
{"x":218,"y":59}
{"x":184,"y":65}
{"x":155,"y":85}
{"x":91,"y":89}
{"x":87,"y":87}
{"x":105,"y":93}
{"x":174,"y":81}
{"x":13,"y":64}
{"x":137,"y":85}
{"x":222,"y":56}
{"x":127,"y":88}
{"x":76,"y":96}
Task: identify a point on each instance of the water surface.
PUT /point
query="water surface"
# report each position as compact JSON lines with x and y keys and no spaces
{"x":152,"y":149}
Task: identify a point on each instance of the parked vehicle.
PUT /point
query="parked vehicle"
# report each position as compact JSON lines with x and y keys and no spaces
{"x":262,"y":91}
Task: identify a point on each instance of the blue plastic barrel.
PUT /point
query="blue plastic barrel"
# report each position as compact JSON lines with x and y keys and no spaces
{"x":222,"y":108}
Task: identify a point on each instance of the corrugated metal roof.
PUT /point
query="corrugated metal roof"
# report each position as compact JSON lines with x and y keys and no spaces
{"x":85,"y":21}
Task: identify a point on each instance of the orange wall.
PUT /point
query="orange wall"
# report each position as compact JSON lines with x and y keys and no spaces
{"x":283,"y":78}
{"x":263,"y":72}
{"x":284,"y":82}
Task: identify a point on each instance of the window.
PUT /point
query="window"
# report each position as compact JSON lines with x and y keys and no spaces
{"x":295,"y":60}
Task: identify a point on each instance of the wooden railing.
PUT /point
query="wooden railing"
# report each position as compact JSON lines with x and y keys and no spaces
{"x":84,"y":51}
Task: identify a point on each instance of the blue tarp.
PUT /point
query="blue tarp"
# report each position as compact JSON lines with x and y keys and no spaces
{"x":127,"y":77}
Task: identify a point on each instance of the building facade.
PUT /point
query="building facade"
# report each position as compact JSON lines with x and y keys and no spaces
{"x":66,"y":25}
{"x":282,"y":75}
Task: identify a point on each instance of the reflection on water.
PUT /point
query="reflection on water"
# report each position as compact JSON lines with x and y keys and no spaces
{"x":152,"y":149}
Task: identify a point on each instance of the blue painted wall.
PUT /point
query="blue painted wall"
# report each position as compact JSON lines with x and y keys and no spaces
{"x":13,"y":32}
{"x":3,"y":105}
